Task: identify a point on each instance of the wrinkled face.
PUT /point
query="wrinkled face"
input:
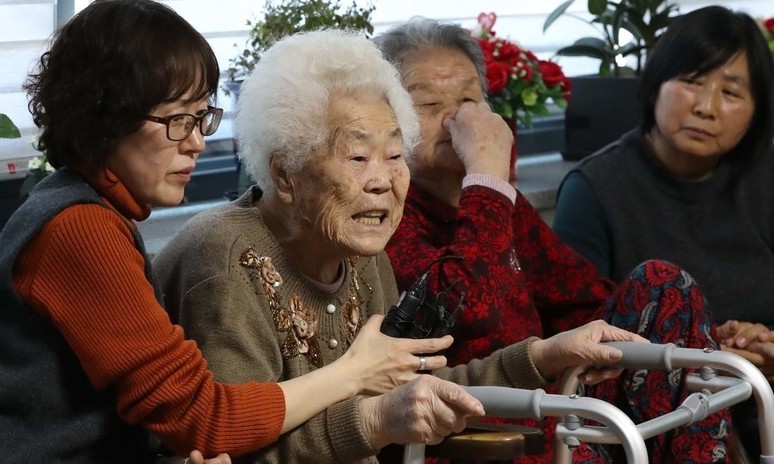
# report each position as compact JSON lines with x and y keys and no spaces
{"x":701,"y":118}
{"x":350,"y":194}
{"x":153,"y":168}
{"x":439,"y":80}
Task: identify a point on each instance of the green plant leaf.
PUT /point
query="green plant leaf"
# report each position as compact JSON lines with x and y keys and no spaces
{"x":644,"y":19}
{"x":597,"y":7}
{"x":591,"y":47}
{"x":558,"y":11}
{"x":8,"y":129}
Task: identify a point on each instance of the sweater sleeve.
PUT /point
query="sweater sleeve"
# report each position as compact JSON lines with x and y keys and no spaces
{"x":83,"y":273}
{"x":508,"y":367}
{"x":580,"y":221}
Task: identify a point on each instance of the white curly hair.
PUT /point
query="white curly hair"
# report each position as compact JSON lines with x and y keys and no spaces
{"x":282,"y":105}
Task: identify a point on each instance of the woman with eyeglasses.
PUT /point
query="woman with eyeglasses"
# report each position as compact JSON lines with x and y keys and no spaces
{"x":91,"y":368}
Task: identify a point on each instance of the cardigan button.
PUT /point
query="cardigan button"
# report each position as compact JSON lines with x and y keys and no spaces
{"x":330,"y":309}
{"x":333,"y":343}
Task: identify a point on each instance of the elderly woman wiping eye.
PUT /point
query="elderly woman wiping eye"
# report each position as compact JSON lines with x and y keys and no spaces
{"x":278,"y":283}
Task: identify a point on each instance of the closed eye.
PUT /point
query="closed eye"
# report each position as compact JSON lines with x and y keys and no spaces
{"x":689,"y":80}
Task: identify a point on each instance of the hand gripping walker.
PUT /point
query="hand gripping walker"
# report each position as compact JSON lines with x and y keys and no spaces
{"x":712,"y":392}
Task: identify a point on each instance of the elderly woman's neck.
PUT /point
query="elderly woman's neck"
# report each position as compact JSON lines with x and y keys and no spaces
{"x":443,"y":186}
{"x":317,"y":263}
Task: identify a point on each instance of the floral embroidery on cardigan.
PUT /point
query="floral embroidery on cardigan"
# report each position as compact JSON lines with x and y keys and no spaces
{"x":353,"y":307}
{"x":298,"y":320}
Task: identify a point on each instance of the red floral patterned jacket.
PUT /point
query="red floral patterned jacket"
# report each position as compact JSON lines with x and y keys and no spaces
{"x":519,"y":279}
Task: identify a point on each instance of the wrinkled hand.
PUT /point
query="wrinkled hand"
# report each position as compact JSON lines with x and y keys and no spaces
{"x":738,"y":334}
{"x":423,"y":411}
{"x":752,"y":341}
{"x":380,"y":363}
{"x":196,"y":458}
{"x":481,"y":139}
{"x":581,"y":347}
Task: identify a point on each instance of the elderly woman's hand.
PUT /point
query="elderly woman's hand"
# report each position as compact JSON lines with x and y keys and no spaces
{"x":481,"y":139}
{"x":752,"y":341}
{"x":738,"y":334}
{"x":379,"y":363}
{"x":422,"y":411}
{"x":581,"y":347}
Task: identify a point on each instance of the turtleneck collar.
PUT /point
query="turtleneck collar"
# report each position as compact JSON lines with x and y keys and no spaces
{"x":113,"y":190}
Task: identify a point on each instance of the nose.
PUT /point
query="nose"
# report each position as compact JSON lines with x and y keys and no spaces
{"x":193,"y":145}
{"x":380,"y":178}
{"x":707,"y":102}
{"x":448,"y":113}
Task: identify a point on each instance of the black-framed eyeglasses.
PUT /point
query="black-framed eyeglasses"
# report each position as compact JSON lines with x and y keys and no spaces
{"x":180,"y":126}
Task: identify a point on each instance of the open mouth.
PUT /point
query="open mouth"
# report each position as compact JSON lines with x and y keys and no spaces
{"x":370,"y":218}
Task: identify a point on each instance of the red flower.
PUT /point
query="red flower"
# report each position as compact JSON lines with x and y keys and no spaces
{"x":769,"y":25}
{"x":487,"y":48}
{"x":508,"y":51}
{"x":551,"y":72}
{"x":524,"y":71}
{"x":497,"y":75}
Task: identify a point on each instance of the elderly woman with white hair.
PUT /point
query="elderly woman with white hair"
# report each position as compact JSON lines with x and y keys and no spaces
{"x":279,"y":282}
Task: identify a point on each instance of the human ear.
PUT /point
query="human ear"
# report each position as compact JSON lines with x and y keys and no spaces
{"x":282,"y":181}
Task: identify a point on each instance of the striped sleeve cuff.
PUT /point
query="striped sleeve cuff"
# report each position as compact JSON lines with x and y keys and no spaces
{"x":492,"y":182}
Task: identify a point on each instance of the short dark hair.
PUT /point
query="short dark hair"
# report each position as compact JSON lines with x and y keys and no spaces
{"x":106,"y":69}
{"x":418,"y":33}
{"x":701,"y":41}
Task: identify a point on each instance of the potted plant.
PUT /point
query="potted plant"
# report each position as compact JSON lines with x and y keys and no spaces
{"x":605,"y":105}
{"x":288,"y":17}
{"x":643,"y":19}
{"x":281,"y":19}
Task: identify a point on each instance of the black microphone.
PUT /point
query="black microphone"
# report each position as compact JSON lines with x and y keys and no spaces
{"x":402,"y":316}
{"x":417,"y":315}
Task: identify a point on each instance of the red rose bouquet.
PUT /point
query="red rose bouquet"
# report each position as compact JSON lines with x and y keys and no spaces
{"x":520,"y":85}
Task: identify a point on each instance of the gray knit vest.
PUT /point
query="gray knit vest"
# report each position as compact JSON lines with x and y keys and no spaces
{"x":49,"y":411}
{"x":720,"y":230}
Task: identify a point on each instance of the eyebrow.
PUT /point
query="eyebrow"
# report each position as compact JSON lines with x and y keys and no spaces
{"x":736,"y":79}
{"x":361,"y":135}
{"x":423,"y":85}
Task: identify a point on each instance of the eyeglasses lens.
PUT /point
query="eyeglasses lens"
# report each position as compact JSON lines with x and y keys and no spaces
{"x":181,"y":126}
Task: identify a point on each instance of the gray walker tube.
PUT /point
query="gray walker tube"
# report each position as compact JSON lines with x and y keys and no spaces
{"x":712,"y":392}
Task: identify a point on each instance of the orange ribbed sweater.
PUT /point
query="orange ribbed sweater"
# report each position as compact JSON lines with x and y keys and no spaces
{"x":84,"y":274}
